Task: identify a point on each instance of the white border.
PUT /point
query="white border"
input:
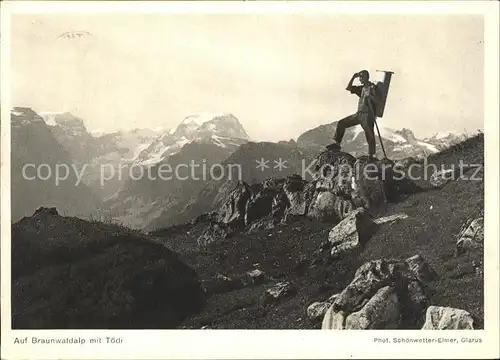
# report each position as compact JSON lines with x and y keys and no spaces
{"x":268,"y":343}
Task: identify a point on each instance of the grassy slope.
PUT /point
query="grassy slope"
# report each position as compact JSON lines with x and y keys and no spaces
{"x":280,"y":253}
{"x":71,"y":273}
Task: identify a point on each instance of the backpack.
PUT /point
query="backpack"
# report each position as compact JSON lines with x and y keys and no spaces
{"x":380,"y":97}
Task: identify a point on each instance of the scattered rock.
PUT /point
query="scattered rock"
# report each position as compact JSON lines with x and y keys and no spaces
{"x":447,"y":318}
{"x":442,"y":177}
{"x":471,"y":237}
{"x":382,"y":311}
{"x":351,"y":233}
{"x":390,"y":218}
{"x":255,"y":277}
{"x":278,"y":292}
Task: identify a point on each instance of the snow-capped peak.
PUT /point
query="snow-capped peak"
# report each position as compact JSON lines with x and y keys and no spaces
{"x":221,"y":129}
{"x":201,"y":118}
{"x":50,"y":116}
{"x":22,"y":116}
{"x":444,"y":134}
{"x":391,"y":135}
{"x":385,"y":132}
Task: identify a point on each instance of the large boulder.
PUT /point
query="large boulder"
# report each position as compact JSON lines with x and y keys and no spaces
{"x":447,"y":318}
{"x":382,"y":311}
{"x":368,"y":279}
{"x":333,"y":320}
{"x":232,"y":210}
{"x":318,"y":309}
{"x":351,"y":233}
{"x":368,"y":185}
{"x":323,"y":207}
{"x":334,"y":172}
{"x":471,"y":237}
{"x":384,"y":294}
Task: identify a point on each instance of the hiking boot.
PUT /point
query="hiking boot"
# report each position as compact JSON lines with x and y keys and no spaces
{"x":333,"y":147}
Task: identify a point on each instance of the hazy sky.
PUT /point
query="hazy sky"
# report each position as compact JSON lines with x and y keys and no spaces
{"x":278,"y":74}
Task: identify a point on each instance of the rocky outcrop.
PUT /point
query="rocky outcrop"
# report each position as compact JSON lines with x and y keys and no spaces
{"x":233,"y":210}
{"x":213,"y":233}
{"x":447,"y":318}
{"x":340,"y":184}
{"x":262,"y":204}
{"x":384,"y":294}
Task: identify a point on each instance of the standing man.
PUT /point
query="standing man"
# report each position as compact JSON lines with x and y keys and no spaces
{"x":365,"y":116}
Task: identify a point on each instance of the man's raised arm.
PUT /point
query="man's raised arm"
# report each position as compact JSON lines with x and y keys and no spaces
{"x":349,"y":85}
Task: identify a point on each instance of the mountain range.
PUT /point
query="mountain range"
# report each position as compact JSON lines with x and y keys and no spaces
{"x":205,"y":140}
